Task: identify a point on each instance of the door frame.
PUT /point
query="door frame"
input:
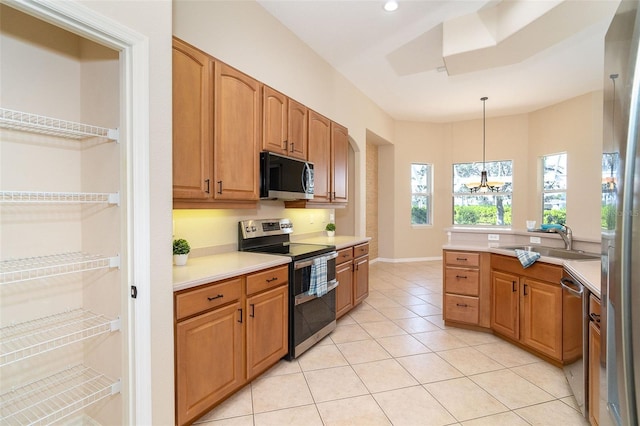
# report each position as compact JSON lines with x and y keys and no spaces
{"x":133,"y":48}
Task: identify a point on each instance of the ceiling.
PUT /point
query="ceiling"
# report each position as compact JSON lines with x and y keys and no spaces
{"x":432,"y":60}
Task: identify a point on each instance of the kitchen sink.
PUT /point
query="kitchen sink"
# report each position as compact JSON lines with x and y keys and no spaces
{"x":556,"y":252}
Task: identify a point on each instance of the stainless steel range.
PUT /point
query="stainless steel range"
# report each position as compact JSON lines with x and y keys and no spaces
{"x":312,"y":299}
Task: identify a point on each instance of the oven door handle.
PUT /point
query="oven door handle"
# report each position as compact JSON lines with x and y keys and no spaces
{"x":304,"y":297}
{"x":308,"y":262}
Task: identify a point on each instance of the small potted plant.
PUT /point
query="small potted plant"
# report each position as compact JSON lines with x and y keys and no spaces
{"x":181,"y":251}
{"x":331,"y":229}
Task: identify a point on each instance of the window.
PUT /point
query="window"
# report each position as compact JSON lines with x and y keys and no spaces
{"x":485,"y":209}
{"x":421,"y":194}
{"x":554,"y":189}
{"x":610,"y":163}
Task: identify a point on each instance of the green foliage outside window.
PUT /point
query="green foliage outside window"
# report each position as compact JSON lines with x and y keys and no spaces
{"x":480,"y":215}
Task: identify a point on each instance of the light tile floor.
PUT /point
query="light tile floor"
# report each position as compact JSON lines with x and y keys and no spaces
{"x":392,"y":361}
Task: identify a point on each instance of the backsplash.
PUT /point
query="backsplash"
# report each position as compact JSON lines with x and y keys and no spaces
{"x":216,"y":230}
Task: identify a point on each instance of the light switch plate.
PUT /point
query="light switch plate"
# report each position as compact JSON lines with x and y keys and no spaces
{"x":534,"y":240}
{"x":494,"y":237}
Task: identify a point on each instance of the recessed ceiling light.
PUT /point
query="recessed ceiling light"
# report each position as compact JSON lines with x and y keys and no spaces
{"x":390,"y":5}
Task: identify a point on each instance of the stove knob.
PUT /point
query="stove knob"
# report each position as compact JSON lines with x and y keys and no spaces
{"x":247,"y":229}
{"x":253,"y":228}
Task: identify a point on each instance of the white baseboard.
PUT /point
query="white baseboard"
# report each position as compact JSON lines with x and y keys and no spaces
{"x":406,"y":259}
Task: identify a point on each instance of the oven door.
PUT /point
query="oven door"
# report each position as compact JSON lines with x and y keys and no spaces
{"x":311,"y":317}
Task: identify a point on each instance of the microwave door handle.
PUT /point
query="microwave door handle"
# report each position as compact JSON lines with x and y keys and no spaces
{"x":305,"y":177}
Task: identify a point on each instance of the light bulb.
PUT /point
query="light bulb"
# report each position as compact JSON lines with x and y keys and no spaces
{"x":390,"y":5}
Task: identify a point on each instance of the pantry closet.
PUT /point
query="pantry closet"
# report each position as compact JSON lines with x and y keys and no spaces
{"x":64,"y":250}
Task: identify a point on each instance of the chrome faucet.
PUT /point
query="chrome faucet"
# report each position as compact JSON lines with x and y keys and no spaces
{"x":567,"y":236}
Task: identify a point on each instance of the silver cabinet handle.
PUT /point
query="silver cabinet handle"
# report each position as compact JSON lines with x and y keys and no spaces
{"x":566,"y":282}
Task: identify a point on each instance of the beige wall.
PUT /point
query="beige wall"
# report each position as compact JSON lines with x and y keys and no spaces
{"x":372,"y":198}
{"x":573,"y":126}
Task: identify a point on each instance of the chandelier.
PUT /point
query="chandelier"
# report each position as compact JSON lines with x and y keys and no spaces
{"x":485,"y":185}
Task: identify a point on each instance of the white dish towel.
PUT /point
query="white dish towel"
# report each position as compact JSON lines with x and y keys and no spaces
{"x":318,"y":285}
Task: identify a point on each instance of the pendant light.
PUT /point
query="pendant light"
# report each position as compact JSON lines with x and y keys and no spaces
{"x":484,"y":184}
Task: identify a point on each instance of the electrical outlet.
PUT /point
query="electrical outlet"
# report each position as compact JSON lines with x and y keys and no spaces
{"x":534,"y":240}
{"x":494,"y":237}
{"x":311,"y":219}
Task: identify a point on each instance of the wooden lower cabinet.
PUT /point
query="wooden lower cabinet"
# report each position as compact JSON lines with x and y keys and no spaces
{"x":227,"y":333}
{"x":505,"y":318}
{"x":267,"y":339}
{"x":344,"y":291}
{"x":352,"y":273}
{"x":466,"y":288}
{"x":541,"y":327}
{"x":525,"y":309}
{"x":360,"y":279}
{"x":594,"y":360}
{"x":209,"y":360}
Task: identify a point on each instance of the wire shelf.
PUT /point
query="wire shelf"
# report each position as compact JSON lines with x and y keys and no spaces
{"x":24,"y":340}
{"x":16,"y":270}
{"x":59,"y":197}
{"x":25,"y":121}
{"x":55,"y":397}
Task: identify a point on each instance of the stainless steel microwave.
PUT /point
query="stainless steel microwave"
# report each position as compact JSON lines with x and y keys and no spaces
{"x":285,"y":178}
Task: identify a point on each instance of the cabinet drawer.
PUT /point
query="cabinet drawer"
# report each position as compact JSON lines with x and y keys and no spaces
{"x":461,"y":308}
{"x":361,"y":250}
{"x":344,"y":255}
{"x":210,"y":296}
{"x":462,"y":281}
{"x":460,"y":258}
{"x":267,"y":279}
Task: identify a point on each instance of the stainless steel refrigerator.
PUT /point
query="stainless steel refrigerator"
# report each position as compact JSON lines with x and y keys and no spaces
{"x":620,"y":373}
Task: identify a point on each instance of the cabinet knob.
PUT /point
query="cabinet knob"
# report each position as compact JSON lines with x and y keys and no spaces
{"x":461,"y":277}
{"x":270,"y":280}
{"x":462,"y":305}
{"x":215,"y":297}
{"x":207,"y":181}
{"x":219,"y":187}
{"x":461,"y":258}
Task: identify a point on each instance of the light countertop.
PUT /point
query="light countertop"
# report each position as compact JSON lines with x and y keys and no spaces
{"x":206,"y":269}
{"x":586,"y":271}
{"x":340,"y":241}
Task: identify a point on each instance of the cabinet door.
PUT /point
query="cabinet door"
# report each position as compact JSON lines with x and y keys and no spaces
{"x":298,"y":136}
{"x":267,"y":328}
{"x":236,"y":135}
{"x":209,"y":361}
{"x":339,"y":162}
{"x":542,"y":317}
{"x":320,"y":155}
{"x":275,"y":121}
{"x":594,"y":373}
{"x":345,"y":291}
{"x":504,"y":304}
{"x":361,"y":279}
{"x":192,"y":122}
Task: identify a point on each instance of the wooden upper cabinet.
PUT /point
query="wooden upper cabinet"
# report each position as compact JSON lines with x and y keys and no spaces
{"x":237,"y":135}
{"x":275,"y":122}
{"x":297,"y":129}
{"x":284,"y":125}
{"x":320,"y":155}
{"x":339,"y":163}
{"x":192,"y":125}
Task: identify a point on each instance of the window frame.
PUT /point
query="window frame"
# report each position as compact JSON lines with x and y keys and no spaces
{"x":506,"y":190}
{"x":556,"y":191}
{"x":427,"y":194}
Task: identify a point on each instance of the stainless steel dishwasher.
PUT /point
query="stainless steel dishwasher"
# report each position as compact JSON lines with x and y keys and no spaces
{"x":575,"y":300}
